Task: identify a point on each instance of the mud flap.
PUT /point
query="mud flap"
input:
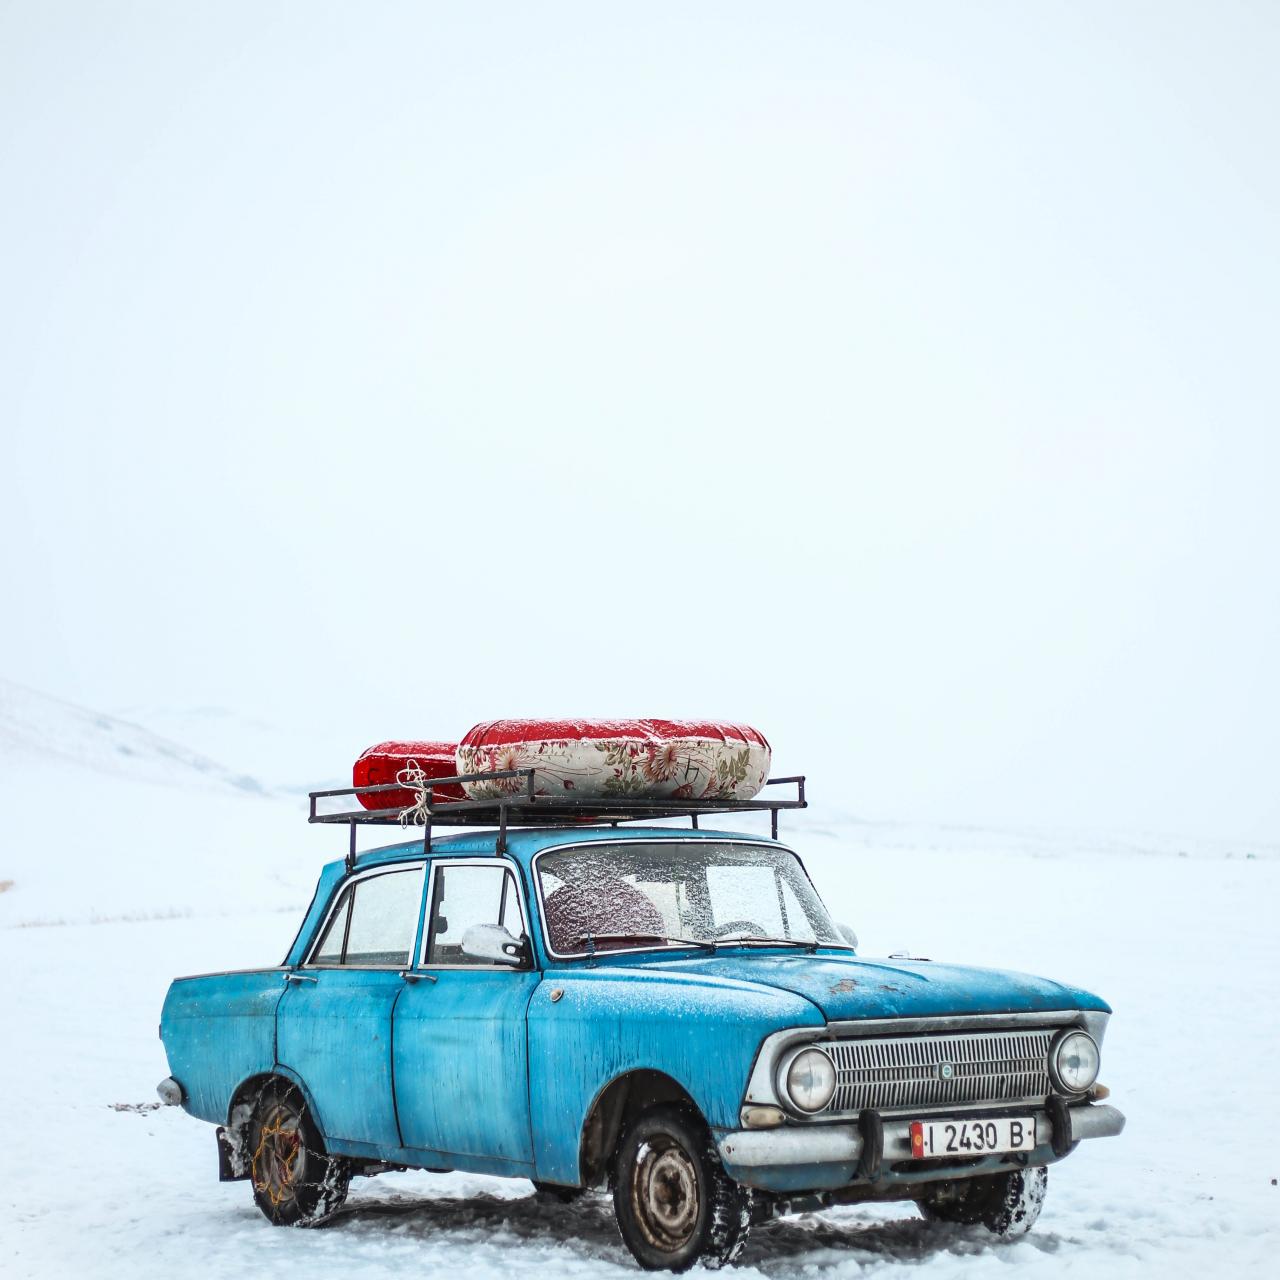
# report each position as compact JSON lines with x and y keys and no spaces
{"x":233,"y":1166}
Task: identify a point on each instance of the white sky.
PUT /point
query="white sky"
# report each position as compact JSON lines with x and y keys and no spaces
{"x":900,"y":378}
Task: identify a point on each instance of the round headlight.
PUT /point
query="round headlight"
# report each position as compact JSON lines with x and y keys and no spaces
{"x":1075,"y":1061}
{"x":810,"y":1080}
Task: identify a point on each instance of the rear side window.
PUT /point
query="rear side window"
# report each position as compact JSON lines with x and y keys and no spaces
{"x":335,"y":936}
{"x":374,"y":922}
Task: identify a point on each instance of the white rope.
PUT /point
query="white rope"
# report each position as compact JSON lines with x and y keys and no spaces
{"x":414,"y":778}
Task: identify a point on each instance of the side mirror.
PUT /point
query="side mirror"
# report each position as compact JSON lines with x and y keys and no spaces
{"x":846,"y":933}
{"x":492,"y":943}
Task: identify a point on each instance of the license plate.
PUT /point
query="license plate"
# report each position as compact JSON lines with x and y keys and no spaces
{"x":934,"y":1139}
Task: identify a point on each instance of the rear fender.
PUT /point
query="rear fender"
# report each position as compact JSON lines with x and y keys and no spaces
{"x":219,"y":1031}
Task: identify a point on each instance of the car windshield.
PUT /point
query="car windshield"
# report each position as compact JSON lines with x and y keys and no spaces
{"x":607,"y":897}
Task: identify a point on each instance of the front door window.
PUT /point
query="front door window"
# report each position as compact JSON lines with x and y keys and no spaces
{"x":468,"y":895}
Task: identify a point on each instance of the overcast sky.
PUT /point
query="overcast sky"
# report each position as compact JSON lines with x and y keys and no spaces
{"x":900,"y":378}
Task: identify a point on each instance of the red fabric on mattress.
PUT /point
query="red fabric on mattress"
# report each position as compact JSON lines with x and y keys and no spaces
{"x":383,"y":763}
{"x":501,"y":732}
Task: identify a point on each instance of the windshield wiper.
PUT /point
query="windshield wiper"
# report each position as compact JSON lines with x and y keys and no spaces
{"x":772,"y":942}
{"x":593,"y":938}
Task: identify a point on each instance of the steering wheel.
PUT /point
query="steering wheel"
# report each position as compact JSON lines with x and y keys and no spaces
{"x":738,"y":926}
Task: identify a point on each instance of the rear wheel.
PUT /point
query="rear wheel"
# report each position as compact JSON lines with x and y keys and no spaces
{"x":674,"y":1202}
{"x":295,"y":1183}
{"x":1007,"y":1204}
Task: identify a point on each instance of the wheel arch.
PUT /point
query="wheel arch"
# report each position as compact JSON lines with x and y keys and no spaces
{"x":249,"y":1090}
{"x":626,"y":1096}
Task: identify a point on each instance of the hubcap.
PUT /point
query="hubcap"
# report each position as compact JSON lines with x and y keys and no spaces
{"x":665,"y":1193}
{"x":278,"y":1162}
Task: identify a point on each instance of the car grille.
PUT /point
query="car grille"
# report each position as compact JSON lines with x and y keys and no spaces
{"x":912,"y":1071}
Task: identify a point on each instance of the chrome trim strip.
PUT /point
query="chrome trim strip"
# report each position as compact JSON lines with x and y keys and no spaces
{"x":950,"y":1022}
{"x":759,"y":841}
{"x":963,"y":1108}
{"x":1095,"y":1023}
{"x":232,"y":973}
{"x":349,"y":968}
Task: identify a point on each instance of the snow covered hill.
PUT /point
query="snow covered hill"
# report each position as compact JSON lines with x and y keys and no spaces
{"x":105,"y":820}
{"x":290,"y":758}
{"x":49,"y":733}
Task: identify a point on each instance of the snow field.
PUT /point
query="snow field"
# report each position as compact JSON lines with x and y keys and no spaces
{"x":175,"y":865}
{"x":1184,"y":948}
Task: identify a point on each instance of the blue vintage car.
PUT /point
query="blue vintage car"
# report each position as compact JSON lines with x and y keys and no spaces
{"x":667,"y":1013}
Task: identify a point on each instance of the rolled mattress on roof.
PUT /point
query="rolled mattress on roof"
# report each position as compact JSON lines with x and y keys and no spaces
{"x":402,"y":761}
{"x":640,"y":759}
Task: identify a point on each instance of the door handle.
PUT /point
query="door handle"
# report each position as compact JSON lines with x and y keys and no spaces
{"x":299,"y":977}
{"x":412,"y":975}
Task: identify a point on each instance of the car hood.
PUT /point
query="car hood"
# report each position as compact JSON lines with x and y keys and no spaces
{"x":849,"y":987}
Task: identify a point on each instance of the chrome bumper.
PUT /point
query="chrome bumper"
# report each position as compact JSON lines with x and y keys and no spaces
{"x":841,"y":1144}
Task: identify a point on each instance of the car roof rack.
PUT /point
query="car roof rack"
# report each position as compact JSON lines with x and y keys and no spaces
{"x":520,"y":806}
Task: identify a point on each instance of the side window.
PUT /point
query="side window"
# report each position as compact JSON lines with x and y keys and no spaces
{"x":375,"y":921}
{"x":464,"y":896}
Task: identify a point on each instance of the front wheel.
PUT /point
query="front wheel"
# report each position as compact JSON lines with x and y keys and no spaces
{"x":295,"y":1183}
{"x":674,"y":1202}
{"x":1007,"y":1204}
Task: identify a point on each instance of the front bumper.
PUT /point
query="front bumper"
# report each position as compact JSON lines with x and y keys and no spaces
{"x":826,"y":1156}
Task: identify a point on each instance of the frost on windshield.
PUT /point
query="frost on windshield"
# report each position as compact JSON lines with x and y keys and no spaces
{"x":607,"y":897}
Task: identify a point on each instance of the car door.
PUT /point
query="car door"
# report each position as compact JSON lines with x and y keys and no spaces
{"x":333,"y":1025}
{"x":461,"y":1054}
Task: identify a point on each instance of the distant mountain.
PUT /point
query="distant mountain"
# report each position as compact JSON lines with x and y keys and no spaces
{"x":107,"y":821}
{"x":41,"y":730}
{"x":284,"y":757}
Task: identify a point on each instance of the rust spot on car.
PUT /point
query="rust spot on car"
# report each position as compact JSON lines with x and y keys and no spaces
{"x":844,"y":986}
{"x":5,"y":884}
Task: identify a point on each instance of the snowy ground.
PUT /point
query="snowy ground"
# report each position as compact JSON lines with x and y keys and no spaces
{"x":1181,"y":937}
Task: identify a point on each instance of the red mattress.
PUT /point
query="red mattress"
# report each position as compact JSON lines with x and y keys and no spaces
{"x":643,"y":759}
{"x":386,"y":761}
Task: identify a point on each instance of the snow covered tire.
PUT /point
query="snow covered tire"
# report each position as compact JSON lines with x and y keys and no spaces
{"x":295,"y":1182}
{"x":674,"y":1202}
{"x":1007,"y":1204}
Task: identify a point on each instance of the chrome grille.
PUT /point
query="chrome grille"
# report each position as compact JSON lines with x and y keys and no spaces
{"x":911,"y":1071}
